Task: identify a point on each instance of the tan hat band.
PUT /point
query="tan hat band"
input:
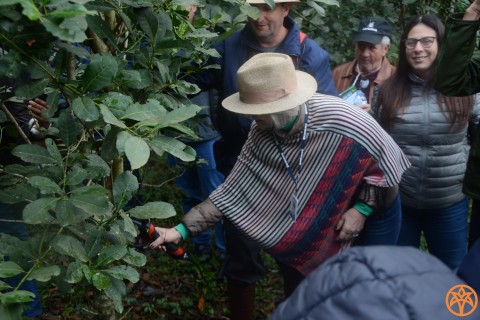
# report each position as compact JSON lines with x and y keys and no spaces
{"x":255,"y":97}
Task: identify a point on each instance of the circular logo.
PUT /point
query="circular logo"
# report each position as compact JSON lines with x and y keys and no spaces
{"x":461,"y":300}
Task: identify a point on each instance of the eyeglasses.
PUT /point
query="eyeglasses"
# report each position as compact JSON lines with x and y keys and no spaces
{"x":426,"y":42}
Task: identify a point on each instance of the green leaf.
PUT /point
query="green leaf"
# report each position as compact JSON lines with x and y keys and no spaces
{"x":124,"y":188}
{"x":54,"y":152}
{"x":117,"y":103}
{"x":17,"y":296}
{"x":85,"y":109}
{"x":136,"y":79}
{"x":123,"y":272}
{"x":186,"y":87}
{"x":320,"y":11}
{"x":109,"y":117}
{"x":111,"y":254}
{"x":122,"y":138}
{"x":92,"y":199}
{"x":71,"y":30}
{"x":30,"y":10}
{"x":154,"y":25}
{"x":137,"y":152}
{"x":94,"y":242}
{"x":19,"y":193}
{"x":96,"y":167}
{"x":179,"y":115}
{"x":69,"y":129}
{"x":163,"y":71}
{"x":36,"y":212}
{"x":71,"y":10}
{"x":185,"y":129}
{"x":9,"y":2}
{"x":4,"y":286}
{"x":153,"y":210}
{"x":108,"y":150}
{"x":135,"y":258}
{"x":70,"y":246}
{"x":99,"y":73}
{"x":75,"y":272}
{"x":45,"y":185}
{"x":140,"y":112}
{"x":115,"y":293}
{"x":128,"y":225}
{"x":32,"y":89}
{"x":101,"y":281}
{"x":44,"y":274}
{"x":17,"y":168}
{"x":33,"y":153}
{"x":75,"y":176}
{"x":160,"y":144}
{"x":67,"y":214}
{"x":9,"y":269}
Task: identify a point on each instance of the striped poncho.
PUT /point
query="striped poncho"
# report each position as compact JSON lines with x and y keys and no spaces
{"x":346,"y":150}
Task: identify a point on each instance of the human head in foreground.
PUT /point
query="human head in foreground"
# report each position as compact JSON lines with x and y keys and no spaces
{"x":380,"y":283}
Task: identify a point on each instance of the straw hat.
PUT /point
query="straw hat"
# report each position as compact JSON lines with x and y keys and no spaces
{"x":268,"y":83}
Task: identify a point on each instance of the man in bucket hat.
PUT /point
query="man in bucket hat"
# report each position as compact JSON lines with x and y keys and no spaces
{"x":311,"y":167}
{"x":370,"y":66}
{"x":272,"y":31}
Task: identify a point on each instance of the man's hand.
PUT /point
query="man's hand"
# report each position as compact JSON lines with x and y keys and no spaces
{"x":36,"y":107}
{"x":473,"y":12}
{"x":366,"y":107}
{"x":350,"y":225}
{"x":165,"y":235}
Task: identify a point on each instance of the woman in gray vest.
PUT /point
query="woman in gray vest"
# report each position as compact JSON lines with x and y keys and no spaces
{"x":432,"y":131}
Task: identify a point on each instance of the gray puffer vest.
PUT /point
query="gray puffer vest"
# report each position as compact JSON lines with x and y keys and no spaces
{"x":438,"y":152}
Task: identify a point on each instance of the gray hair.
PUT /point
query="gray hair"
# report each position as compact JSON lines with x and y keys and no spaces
{"x":385,"y":41}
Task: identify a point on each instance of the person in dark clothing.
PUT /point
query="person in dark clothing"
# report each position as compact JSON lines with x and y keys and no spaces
{"x":459,"y":45}
{"x":29,"y":121}
{"x":463,"y":79}
{"x":272,"y":31}
{"x":379,"y":283}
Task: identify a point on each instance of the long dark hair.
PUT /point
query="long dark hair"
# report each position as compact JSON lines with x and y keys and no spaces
{"x":395,"y":93}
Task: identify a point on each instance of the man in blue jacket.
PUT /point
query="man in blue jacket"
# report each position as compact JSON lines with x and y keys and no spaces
{"x":273,"y":31}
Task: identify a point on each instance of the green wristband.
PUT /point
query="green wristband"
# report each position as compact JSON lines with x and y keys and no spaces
{"x":363,"y":208}
{"x":182,"y":230}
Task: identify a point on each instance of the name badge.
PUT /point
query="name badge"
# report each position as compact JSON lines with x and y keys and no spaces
{"x":293,"y":210}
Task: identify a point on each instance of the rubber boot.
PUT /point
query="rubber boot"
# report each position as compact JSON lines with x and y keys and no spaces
{"x":241,"y":300}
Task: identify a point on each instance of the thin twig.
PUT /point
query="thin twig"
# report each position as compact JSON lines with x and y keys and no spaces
{"x":15,"y":123}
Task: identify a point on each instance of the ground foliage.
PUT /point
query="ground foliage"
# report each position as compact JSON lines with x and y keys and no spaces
{"x":113,"y":73}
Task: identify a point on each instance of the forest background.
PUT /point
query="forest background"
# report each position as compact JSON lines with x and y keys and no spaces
{"x":113,"y":75}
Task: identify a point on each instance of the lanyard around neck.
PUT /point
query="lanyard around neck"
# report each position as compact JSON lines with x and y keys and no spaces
{"x":303,"y":142}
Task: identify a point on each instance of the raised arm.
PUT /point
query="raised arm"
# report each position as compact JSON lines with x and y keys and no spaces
{"x":458,"y":66}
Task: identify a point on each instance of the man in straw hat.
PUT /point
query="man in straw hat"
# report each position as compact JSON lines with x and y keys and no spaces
{"x":272,"y":31}
{"x":311,"y":165}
